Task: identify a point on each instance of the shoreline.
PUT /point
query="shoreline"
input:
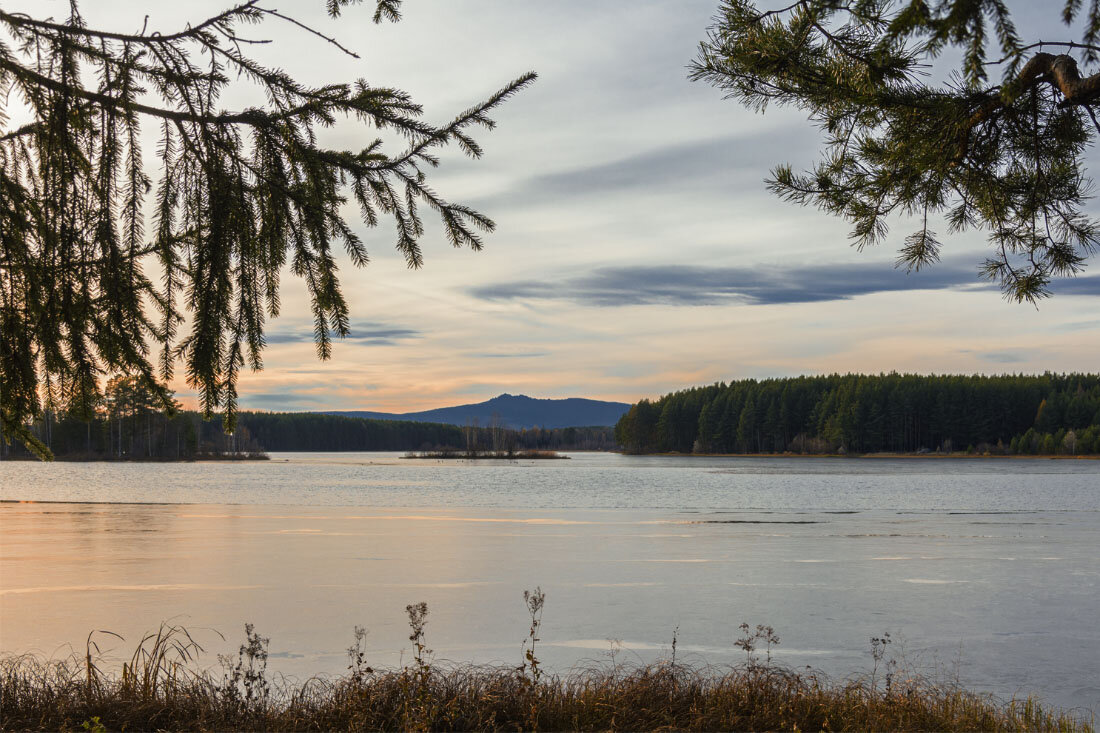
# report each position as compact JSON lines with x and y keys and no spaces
{"x":519,"y":455}
{"x":954,"y":455}
{"x":84,"y":458}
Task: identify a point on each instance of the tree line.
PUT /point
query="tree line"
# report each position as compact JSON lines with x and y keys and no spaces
{"x":128,"y":423}
{"x":1046,"y":414}
{"x":311,"y":431}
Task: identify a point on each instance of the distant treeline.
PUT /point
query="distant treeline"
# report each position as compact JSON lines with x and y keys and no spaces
{"x":1029,"y":415}
{"x":129,"y":426}
{"x":130,"y":423}
{"x":305,"y":431}
{"x":142,"y":435}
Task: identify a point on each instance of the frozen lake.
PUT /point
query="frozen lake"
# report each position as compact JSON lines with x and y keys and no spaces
{"x":987,"y":569}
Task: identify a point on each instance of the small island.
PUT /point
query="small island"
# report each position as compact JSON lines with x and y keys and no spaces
{"x":507,"y":455}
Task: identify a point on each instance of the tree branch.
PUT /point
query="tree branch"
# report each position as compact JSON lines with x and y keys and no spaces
{"x":20,"y":20}
{"x":248,"y":116}
{"x":314,"y":31}
{"x":1060,"y":71}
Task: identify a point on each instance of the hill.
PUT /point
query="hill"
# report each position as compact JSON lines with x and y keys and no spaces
{"x":518,"y":412}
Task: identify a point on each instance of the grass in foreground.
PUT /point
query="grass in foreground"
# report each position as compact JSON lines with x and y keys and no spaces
{"x":157,"y":690}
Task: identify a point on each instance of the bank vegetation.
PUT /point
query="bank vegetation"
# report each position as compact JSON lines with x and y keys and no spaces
{"x":159,"y":688}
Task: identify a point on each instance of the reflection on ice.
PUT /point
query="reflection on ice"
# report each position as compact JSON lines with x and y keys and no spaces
{"x":308,"y":549}
{"x":119,"y":587}
{"x":606,"y":645}
{"x":621,"y":585}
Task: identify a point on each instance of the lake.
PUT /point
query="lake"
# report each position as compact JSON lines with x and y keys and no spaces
{"x":982,"y":569}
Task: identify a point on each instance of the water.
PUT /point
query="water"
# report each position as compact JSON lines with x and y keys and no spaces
{"x":984,"y":569}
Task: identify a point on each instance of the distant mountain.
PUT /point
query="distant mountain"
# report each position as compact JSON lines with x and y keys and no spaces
{"x":515,"y":411}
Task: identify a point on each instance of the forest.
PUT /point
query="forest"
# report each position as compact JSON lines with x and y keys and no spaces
{"x":1048,"y":414}
{"x":305,"y":431}
{"x":129,"y":424}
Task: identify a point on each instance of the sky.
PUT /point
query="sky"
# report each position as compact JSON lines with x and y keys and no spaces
{"x":637,"y":249}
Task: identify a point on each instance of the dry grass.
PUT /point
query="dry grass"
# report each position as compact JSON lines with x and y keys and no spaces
{"x":157,"y":690}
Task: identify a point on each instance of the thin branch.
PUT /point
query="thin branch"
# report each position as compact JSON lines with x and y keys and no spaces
{"x":21,"y":20}
{"x":1040,"y":44}
{"x":780,"y":11}
{"x":1092,"y":114}
{"x":253,"y":117}
{"x":314,"y":31}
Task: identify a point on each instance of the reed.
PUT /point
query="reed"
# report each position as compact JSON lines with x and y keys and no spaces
{"x":158,"y":689}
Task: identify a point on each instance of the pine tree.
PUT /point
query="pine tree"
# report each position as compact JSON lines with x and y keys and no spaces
{"x":1004,"y":156}
{"x":238,"y":195}
{"x":746,"y":428}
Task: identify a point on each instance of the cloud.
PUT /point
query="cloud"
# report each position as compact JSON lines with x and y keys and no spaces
{"x":364,"y":332}
{"x":714,"y":167}
{"x":1003,"y":357}
{"x":1087,"y":285}
{"x":273,"y":400}
{"x":684,"y":163}
{"x":1077,"y":326}
{"x":525,"y":355}
{"x":753,"y":284}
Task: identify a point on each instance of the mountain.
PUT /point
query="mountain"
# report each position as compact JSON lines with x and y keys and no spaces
{"x":514,"y":411}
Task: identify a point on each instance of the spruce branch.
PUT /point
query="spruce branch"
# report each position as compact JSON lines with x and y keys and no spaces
{"x":237,"y":196}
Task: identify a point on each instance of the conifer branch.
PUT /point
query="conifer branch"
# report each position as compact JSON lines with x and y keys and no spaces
{"x":1007,"y":158}
{"x":238,"y":196}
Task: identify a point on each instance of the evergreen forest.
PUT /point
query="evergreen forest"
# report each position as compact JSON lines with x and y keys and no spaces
{"x":1049,"y":414}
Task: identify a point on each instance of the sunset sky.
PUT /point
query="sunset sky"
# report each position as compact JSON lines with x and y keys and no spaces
{"x":637,"y":250}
